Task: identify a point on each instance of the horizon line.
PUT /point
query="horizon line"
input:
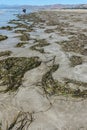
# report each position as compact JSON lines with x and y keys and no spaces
{"x":41,"y":4}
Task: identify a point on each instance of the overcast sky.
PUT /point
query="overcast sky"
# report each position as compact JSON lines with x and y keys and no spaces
{"x":42,"y":2}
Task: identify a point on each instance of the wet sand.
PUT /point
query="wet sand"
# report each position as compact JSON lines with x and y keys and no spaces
{"x":43,"y":71}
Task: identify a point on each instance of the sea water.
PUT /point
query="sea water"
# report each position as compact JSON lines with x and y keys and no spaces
{"x":5,"y":16}
{"x":8,"y":14}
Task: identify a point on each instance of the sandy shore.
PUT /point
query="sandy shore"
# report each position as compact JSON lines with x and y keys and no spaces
{"x":43,"y":71}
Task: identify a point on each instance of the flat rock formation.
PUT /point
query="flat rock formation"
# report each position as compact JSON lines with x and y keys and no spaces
{"x":43,"y":71}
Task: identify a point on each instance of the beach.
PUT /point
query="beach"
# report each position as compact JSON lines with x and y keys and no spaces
{"x":43,"y":71}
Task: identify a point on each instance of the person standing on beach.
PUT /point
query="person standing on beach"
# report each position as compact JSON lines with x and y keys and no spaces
{"x":24,"y":10}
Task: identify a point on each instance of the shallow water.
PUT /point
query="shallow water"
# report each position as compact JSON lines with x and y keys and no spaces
{"x":9,"y":14}
{"x":5,"y":16}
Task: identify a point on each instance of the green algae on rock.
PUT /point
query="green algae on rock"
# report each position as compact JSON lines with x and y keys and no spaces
{"x":6,"y":28}
{"x":48,"y":82}
{"x":37,"y":48}
{"x":5,"y":53}
{"x":52,"y":87}
{"x":2,"y":37}
{"x":13,"y":69}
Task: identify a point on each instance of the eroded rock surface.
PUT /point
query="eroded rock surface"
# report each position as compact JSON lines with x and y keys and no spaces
{"x":43,"y":82}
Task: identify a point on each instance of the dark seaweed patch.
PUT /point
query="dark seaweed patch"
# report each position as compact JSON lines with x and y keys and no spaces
{"x":52,"y":87}
{"x":2,"y":37}
{"x":13,"y":69}
{"x":5,"y":53}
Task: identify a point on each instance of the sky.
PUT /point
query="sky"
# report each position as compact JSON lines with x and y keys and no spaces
{"x":41,"y":2}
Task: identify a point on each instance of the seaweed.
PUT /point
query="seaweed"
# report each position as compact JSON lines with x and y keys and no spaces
{"x":49,"y":30}
{"x":2,"y":37}
{"x":21,"y":44}
{"x":20,"y":31}
{"x":84,"y":52}
{"x":9,"y":28}
{"x":52,"y":87}
{"x":24,"y":37}
{"x":75,"y":82}
{"x":48,"y":82}
{"x":21,"y":121}
{"x":13,"y":69}
{"x":75,"y":44}
{"x":75,"y":60}
{"x":5,"y":53}
{"x":38,"y":47}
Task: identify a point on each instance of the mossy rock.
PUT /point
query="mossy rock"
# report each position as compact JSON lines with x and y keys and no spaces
{"x":2,"y":37}
{"x":13,"y":69}
{"x":5,"y":53}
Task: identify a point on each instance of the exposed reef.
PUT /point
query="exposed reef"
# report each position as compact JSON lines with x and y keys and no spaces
{"x":9,"y":28}
{"x":2,"y":37}
{"x":5,"y":53}
{"x":75,"y":60}
{"x":13,"y":69}
{"x":21,"y":44}
{"x":41,"y":43}
{"x":24,"y":37}
{"x":53,"y":87}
